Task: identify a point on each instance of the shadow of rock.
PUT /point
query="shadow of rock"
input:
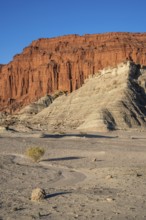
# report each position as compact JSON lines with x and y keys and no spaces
{"x":56,"y":194}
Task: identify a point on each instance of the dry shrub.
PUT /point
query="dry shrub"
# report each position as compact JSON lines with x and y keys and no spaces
{"x":59,"y":93}
{"x":62,"y":132}
{"x":35,"y":153}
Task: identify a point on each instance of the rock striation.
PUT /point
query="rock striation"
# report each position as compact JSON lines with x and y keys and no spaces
{"x":114,"y":98}
{"x":63,"y":64}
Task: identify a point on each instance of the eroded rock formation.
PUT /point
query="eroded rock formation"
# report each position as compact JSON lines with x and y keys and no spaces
{"x":63,"y":63}
{"x":115,"y":98}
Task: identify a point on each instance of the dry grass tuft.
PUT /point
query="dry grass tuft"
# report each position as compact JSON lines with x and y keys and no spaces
{"x":35,"y":153}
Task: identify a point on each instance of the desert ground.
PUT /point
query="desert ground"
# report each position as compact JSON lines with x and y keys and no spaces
{"x":85,"y":175}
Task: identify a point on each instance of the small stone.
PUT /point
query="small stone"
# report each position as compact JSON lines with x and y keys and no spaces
{"x":54,"y":207}
{"x":3,"y":129}
{"x":15,"y":209}
{"x":59,"y":172}
{"x":38,"y":194}
{"x":109,"y":199}
{"x":109,"y":177}
{"x":95,"y":159}
{"x":138,"y":174}
{"x":117,"y":213}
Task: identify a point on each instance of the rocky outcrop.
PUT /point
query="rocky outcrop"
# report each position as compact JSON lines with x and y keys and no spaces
{"x":36,"y":107}
{"x":63,"y":64}
{"x":114,"y":98}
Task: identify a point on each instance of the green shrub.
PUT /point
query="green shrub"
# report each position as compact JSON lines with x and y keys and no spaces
{"x":35,"y":153}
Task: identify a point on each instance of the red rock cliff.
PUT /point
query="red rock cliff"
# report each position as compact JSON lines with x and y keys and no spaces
{"x":63,"y":63}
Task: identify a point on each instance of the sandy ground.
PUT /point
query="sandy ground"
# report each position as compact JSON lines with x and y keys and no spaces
{"x":94,"y":176}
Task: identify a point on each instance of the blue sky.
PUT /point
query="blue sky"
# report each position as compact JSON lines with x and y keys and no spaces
{"x":23,"y":21}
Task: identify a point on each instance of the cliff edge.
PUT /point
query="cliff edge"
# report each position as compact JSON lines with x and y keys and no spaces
{"x":63,"y":64}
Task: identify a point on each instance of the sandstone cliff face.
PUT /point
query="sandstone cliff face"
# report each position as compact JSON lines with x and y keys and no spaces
{"x":64,"y":63}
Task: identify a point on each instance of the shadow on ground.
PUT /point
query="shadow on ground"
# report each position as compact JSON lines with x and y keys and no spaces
{"x":63,"y":158}
{"x":56,"y":194}
{"x":76,"y":135}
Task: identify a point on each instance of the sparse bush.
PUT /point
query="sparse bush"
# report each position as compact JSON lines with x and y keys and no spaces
{"x":35,"y":153}
{"x":59,"y":93}
{"x":62,"y":132}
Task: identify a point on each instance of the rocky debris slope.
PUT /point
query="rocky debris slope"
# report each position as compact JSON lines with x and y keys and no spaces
{"x":114,"y":98}
{"x":36,"y":107}
{"x":20,"y":121}
{"x":63,"y":64}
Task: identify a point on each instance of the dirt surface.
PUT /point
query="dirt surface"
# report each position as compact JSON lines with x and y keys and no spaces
{"x":85,"y":176}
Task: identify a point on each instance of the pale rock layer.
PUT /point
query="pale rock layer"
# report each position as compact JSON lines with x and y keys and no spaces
{"x":113,"y":98}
